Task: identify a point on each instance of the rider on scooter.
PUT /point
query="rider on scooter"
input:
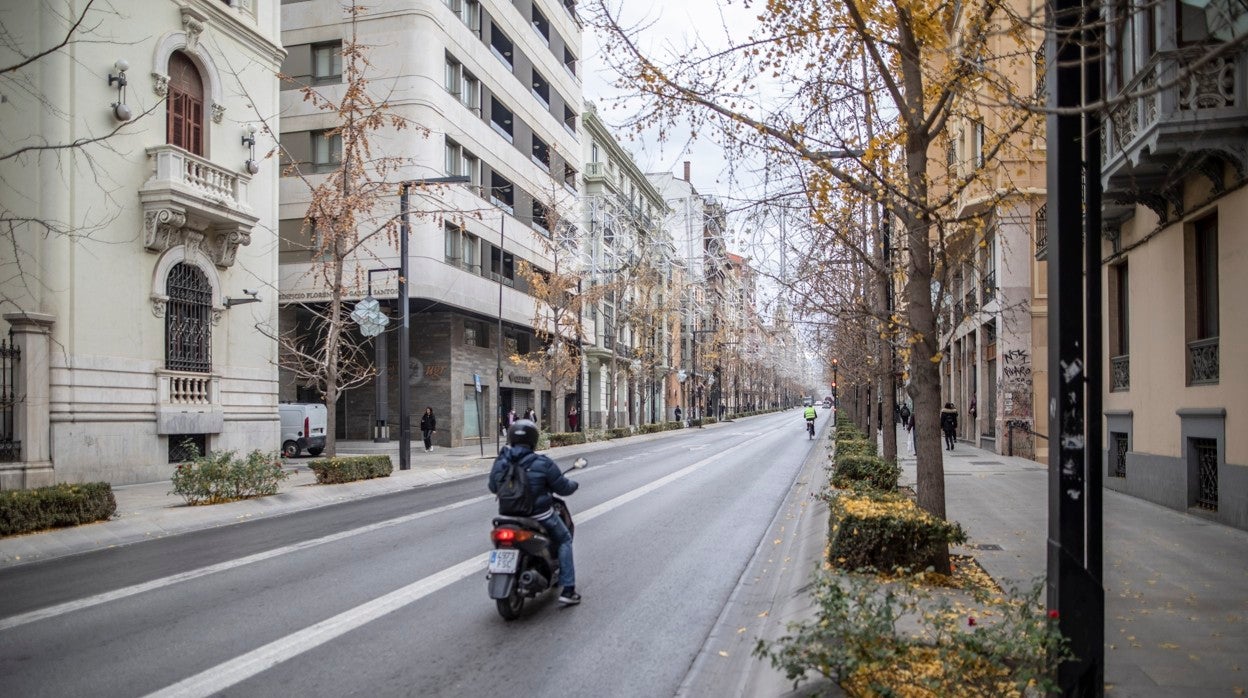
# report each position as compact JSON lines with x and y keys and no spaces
{"x":545,"y":481}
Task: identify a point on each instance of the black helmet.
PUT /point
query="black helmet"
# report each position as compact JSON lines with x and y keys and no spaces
{"x":522,"y":431}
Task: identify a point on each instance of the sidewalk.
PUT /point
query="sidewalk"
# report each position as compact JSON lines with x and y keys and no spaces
{"x":1176,"y":586}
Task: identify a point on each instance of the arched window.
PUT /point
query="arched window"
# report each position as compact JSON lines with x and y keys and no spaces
{"x":184,"y":110}
{"x":188,"y":320}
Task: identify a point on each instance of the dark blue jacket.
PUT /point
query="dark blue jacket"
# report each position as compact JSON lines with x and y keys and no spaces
{"x":545,"y":479}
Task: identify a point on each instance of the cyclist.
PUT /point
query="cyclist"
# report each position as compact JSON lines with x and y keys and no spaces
{"x":810,"y":414}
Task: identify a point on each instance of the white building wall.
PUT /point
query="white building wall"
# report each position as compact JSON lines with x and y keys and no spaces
{"x":98,"y":282}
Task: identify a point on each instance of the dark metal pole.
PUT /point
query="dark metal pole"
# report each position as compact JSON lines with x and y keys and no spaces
{"x":498,"y":352}
{"x":381,"y":433}
{"x":1074,"y":588}
{"x":405,"y":430}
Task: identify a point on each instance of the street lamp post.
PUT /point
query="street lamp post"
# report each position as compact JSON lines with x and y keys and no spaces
{"x":405,"y":357}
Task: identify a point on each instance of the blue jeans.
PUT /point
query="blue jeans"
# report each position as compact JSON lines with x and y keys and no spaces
{"x":563,"y":538}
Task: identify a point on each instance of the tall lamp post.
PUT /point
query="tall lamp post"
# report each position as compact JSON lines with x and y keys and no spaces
{"x":405,"y":352}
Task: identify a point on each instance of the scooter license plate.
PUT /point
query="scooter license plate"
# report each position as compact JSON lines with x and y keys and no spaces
{"x":504,"y":561}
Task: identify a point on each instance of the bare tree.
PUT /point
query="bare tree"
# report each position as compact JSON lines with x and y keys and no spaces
{"x":351,"y":208}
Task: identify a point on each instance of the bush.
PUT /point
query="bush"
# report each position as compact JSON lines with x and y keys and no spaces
{"x":853,"y":638}
{"x":619,"y":432}
{"x":855,"y":447}
{"x":885,"y":532}
{"x":853,"y":471}
{"x":652,"y":428}
{"x":23,"y":511}
{"x":333,"y":471}
{"x":222,"y":477}
{"x":566,"y":438}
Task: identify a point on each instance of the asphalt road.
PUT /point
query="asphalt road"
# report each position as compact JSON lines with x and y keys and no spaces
{"x":386,"y":596}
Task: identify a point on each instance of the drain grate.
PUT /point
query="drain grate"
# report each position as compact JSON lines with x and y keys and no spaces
{"x":986,"y":462}
{"x":984,"y":546}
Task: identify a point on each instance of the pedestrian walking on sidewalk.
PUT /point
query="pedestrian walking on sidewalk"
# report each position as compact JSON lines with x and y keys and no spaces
{"x":949,"y":424}
{"x":909,"y":425}
{"x":428,"y":426}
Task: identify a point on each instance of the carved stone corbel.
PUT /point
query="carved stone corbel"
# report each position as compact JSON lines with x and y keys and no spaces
{"x":161,"y":228}
{"x":217,"y":314}
{"x":193,"y":23}
{"x":158,"y":304}
{"x":218,"y":112}
{"x":160,"y":84}
{"x":225,"y":245}
{"x":193,"y":240}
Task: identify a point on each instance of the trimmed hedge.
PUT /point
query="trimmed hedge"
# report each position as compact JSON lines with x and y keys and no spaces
{"x":224,"y":477}
{"x":619,"y":432}
{"x":885,"y":532}
{"x":856,"y":471}
{"x":566,"y":438}
{"x":333,"y":471}
{"x":24,"y":511}
{"x":855,"y":447}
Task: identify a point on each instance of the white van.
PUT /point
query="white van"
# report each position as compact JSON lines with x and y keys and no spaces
{"x":303,"y":428}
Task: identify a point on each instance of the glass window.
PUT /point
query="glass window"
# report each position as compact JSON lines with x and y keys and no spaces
{"x":476,"y":334}
{"x":326,"y":151}
{"x":188,"y":320}
{"x":327,"y":62}
{"x":184,"y":106}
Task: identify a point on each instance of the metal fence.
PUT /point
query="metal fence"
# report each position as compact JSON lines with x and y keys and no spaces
{"x":10,"y":445}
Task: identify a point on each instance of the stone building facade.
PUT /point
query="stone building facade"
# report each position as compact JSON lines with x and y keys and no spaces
{"x":144,"y":272}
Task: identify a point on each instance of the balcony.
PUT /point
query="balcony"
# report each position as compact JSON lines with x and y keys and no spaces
{"x":1189,"y":117}
{"x":188,"y":403}
{"x":1203,"y":363}
{"x":1119,"y":373}
{"x":191,"y":199}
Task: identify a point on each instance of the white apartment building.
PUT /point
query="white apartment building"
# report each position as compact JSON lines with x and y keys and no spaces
{"x":628,"y":352}
{"x":496,"y":85}
{"x":134,"y":232}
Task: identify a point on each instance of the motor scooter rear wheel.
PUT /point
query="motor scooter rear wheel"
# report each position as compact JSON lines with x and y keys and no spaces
{"x":510,"y":607}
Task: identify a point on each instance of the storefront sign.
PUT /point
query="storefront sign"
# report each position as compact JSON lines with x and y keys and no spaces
{"x":522,"y":380}
{"x":435,"y":371}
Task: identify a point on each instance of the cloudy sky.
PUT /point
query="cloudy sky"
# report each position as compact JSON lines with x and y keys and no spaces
{"x":670,"y":26}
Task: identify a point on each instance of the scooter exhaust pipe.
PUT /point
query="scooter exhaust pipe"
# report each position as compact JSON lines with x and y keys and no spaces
{"x":532,"y":580}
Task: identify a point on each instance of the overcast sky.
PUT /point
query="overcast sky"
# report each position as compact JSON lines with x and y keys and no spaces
{"x":670,"y":26}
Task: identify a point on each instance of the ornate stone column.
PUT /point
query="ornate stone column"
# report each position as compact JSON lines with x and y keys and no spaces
{"x":32,"y":335}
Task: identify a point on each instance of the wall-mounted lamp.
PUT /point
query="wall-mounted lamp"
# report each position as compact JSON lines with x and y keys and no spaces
{"x":249,"y":140}
{"x":120,"y":111}
{"x":255,"y":298}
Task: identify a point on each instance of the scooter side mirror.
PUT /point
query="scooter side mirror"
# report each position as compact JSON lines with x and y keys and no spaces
{"x":579,"y":463}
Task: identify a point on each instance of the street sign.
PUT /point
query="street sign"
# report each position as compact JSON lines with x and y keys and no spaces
{"x":369,"y":316}
{"x":476,"y":381}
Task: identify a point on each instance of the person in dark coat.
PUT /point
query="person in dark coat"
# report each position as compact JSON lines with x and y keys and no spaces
{"x":545,"y":481}
{"x":428,"y":425}
{"x":949,"y":424}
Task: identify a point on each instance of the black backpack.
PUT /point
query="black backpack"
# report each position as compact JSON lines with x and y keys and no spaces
{"x":514,"y":497}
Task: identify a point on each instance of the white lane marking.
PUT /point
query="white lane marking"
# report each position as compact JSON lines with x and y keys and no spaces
{"x":124,"y":592}
{"x":243,"y":667}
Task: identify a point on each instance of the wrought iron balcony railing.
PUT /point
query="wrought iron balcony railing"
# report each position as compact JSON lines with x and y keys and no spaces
{"x":1202,"y":361}
{"x":1119,"y":373}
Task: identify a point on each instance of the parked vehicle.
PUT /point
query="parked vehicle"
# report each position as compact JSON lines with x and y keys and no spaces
{"x":303,"y":428}
{"x":524,"y":563}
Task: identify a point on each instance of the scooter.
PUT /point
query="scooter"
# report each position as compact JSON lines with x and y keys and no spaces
{"x":524,"y":563}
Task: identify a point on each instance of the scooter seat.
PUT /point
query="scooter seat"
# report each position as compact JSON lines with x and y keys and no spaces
{"x":522,"y":521}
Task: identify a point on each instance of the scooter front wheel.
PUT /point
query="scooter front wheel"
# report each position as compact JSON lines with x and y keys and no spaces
{"x":510,"y":607}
